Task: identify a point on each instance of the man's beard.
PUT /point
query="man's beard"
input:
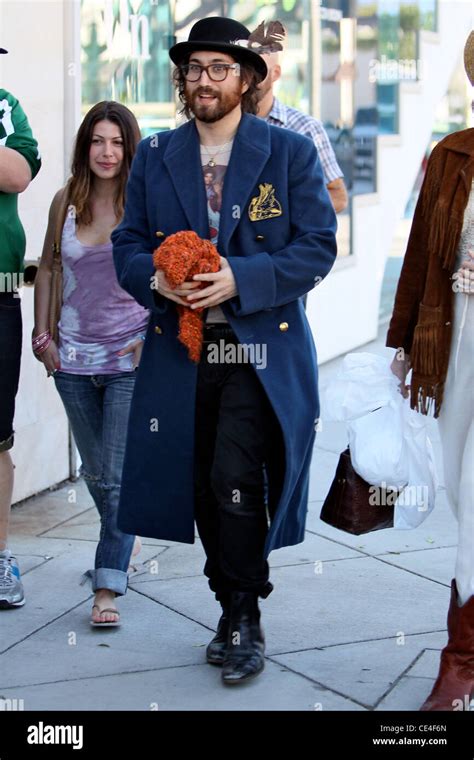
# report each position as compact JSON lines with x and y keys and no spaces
{"x":225,"y":103}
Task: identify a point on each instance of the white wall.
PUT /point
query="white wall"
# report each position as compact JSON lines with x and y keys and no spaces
{"x":364,"y":90}
{"x":343,"y":310}
{"x":36,"y":72}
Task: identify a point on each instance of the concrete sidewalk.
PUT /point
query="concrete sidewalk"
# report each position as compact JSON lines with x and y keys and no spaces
{"x":354,"y":622}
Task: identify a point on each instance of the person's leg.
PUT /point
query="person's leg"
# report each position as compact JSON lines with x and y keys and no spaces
{"x":208,"y":392}
{"x":464,"y":573}
{"x":6,"y":490}
{"x":241,"y":449}
{"x":11,"y":588}
{"x":453,"y":427}
{"x":115,"y":547}
{"x":456,"y":433}
{"x":238,"y":480}
{"x":454,"y":686}
{"x":83,"y":402}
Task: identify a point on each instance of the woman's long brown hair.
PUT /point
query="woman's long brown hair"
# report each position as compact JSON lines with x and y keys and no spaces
{"x":80,"y":182}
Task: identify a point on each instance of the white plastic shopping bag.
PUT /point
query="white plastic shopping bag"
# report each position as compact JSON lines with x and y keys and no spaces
{"x":388,"y":440}
{"x":378,"y":449}
{"x":364,"y":383}
{"x":417,"y":499}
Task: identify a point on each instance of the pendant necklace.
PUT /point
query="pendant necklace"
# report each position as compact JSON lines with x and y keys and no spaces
{"x":212,"y":159}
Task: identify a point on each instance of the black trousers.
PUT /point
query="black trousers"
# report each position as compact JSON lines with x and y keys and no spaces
{"x":10,"y":357}
{"x":236,"y":432}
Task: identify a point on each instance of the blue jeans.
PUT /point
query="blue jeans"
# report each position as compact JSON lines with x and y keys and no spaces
{"x":98,"y":408}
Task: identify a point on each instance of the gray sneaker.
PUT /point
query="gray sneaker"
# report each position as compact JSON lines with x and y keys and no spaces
{"x":11,"y":587}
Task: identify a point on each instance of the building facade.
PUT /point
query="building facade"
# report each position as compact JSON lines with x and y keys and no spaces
{"x":372,"y":71}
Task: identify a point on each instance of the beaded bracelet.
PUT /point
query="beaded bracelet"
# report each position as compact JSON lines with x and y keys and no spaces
{"x":40,"y":339}
{"x":41,"y":342}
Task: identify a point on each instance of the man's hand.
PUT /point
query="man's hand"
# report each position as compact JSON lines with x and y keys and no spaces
{"x":163,"y":287}
{"x":221,"y":287}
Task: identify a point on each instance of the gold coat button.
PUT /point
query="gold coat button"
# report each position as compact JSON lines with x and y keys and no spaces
{"x":260,"y":237}
{"x":159,"y":234}
{"x":158,"y":330}
{"x":284,"y":326}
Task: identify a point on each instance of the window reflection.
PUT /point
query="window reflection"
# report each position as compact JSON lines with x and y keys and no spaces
{"x":343,"y":64}
{"x":125,"y":58}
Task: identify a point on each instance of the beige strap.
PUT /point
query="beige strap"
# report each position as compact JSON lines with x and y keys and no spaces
{"x":60,"y":219}
{"x":56,"y":291}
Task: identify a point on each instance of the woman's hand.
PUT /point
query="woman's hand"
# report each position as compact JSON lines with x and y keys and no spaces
{"x":464,"y":277}
{"x":135,"y":348}
{"x":400,"y":368}
{"x":50,"y":358}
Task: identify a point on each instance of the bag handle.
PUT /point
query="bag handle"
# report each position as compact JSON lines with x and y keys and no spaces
{"x":58,"y":231}
{"x":55,"y":296}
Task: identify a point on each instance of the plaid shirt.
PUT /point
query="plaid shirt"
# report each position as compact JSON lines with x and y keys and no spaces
{"x":284,"y":116}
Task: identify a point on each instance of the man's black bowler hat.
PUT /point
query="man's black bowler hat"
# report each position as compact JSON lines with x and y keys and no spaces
{"x":220,"y":34}
{"x":2,"y":50}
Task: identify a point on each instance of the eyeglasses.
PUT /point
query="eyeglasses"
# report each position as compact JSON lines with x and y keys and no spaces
{"x":217,"y":72}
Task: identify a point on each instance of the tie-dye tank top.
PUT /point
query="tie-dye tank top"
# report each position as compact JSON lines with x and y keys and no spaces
{"x":98,"y":318}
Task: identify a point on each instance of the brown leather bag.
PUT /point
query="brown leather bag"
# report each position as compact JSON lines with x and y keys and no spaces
{"x":349,"y":504}
{"x":56,"y":288}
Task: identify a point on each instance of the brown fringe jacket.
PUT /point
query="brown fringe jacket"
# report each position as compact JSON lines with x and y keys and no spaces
{"x":423,"y":311}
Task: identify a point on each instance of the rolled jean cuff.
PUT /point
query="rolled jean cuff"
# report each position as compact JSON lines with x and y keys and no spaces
{"x":108,"y":578}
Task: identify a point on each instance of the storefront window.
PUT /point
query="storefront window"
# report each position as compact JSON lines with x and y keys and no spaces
{"x":428,"y":14}
{"x":343,"y":63}
{"x":125,"y":47}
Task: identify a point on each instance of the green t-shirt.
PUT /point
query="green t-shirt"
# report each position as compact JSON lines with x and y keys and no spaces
{"x":15,"y":133}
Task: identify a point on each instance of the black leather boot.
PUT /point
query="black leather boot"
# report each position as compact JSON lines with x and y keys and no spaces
{"x":244,"y":657}
{"x":215,"y":651}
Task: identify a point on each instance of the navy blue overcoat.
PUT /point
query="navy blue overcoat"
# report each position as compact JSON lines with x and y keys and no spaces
{"x":277,"y":231}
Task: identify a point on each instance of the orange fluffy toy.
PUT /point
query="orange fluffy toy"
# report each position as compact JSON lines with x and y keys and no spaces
{"x":181,"y":256}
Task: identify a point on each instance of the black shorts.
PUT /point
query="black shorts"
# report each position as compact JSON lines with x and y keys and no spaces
{"x":10,"y":358}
